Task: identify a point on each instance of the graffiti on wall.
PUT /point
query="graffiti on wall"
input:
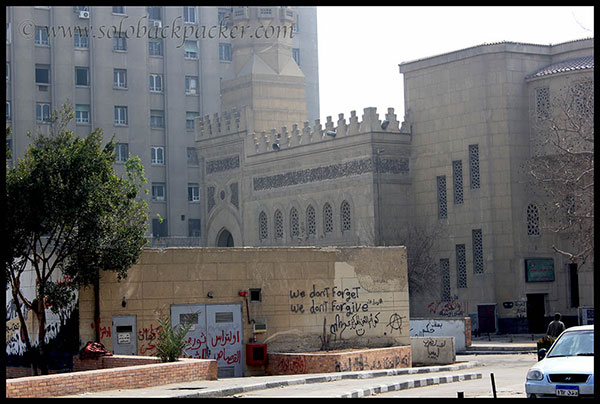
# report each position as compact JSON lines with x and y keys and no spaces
{"x":448,"y":308}
{"x":15,"y":342}
{"x":349,"y":313}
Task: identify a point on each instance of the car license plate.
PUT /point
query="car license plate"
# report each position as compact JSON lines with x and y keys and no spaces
{"x":567,"y":391}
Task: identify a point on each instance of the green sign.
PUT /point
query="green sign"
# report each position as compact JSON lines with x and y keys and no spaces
{"x":539,"y":270}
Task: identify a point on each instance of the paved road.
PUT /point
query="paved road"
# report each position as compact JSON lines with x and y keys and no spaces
{"x":509,"y":375}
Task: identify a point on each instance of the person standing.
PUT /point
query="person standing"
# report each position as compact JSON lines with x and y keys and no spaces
{"x":555,"y":327}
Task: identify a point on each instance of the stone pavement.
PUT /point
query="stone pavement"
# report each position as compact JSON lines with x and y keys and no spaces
{"x":383,"y":380}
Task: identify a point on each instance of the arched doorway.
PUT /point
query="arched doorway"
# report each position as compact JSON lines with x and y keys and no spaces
{"x":224,"y":239}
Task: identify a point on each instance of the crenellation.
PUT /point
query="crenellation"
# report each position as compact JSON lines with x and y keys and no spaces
{"x":284,"y":138}
{"x":226,"y":123}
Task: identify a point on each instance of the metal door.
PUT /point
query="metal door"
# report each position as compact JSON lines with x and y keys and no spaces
{"x":196,"y":338}
{"x":224,"y":324}
{"x":124,"y":332}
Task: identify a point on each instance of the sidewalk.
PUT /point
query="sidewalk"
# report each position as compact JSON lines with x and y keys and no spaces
{"x":502,"y":344}
{"x":403,"y":378}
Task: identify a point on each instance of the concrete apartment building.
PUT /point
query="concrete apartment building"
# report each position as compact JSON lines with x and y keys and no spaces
{"x":145,"y":86}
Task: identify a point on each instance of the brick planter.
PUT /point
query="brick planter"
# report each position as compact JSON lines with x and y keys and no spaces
{"x":111,"y":378}
{"x":339,"y":361}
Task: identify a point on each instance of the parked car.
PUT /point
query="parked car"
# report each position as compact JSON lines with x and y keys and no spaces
{"x":567,"y":368}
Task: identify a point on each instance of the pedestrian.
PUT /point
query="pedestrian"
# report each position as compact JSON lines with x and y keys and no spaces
{"x":555,"y":327}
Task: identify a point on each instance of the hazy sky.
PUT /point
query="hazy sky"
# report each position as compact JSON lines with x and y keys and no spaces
{"x":360,"y":47}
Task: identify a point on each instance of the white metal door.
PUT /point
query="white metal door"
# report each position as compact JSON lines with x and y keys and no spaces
{"x":224,"y":323}
{"x":216,"y":334}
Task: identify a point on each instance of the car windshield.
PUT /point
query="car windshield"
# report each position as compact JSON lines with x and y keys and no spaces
{"x":573,"y":344}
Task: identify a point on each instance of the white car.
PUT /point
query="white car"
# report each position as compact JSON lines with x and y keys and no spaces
{"x":567,"y":369}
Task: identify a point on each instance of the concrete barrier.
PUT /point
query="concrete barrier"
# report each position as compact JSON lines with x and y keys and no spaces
{"x":432,"y":350}
{"x":457,"y":327}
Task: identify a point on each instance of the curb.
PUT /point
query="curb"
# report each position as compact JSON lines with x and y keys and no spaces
{"x":410,"y":384}
{"x":232,"y":391}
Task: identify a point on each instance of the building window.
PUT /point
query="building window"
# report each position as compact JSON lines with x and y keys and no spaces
{"x":223,"y":13}
{"x":225,"y":52}
{"x":120,"y":78}
{"x":154,"y":13}
{"x":477,"y":251}
{"x":327,"y":218}
{"x":194,"y":227}
{"x":346,"y":217}
{"x":263,"y":230}
{"x":542,"y":103}
{"x":82,"y":113}
{"x":42,"y":74}
{"x":296,"y":55}
{"x":155,"y":47}
{"x":311,"y":222}
{"x":278,"y":222}
{"x":8,"y":112}
{"x":190,"y":49}
{"x":295,"y":26}
{"x":445,"y":273}
{"x":157,"y":155}
{"x":193,"y":193}
{"x":533,"y":220}
{"x":159,"y":228}
{"x":80,"y":39}
{"x":441,"y":196}
{"x":118,"y":10}
{"x":461,"y":266}
{"x":82,"y":76}
{"x":7,"y":71}
{"x":8,"y":32}
{"x":156,"y":83}
{"x":192,"y":156}
{"x":119,"y":42}
{"x":120,"y":115}
{"x":157,"y":118}
{"x":191,"y":85}
{"x":189,"y":14}
{"x":158,"y":191}
{"x":190,"y":119}
{"x":294,"y":223}
{"x":42,"y":112}
{"x":121,"y":152}
{"x":458,"y":181}
{"x":474,"y":166}
{"x":41,"y":36}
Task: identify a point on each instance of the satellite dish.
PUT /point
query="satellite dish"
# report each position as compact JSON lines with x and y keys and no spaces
{"x":330,"y":133}
{"x":275,"y":147}
{"x":385,"y":124}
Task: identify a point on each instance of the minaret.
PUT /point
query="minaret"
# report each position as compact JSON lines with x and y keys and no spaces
{"x":263,"y":76}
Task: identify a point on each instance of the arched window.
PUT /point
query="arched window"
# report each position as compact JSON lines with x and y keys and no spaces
{"x":263,"y":230}
{"x":278,"y":222}
{"x":327,"y":218}
{"x":311,"y":227}
{"x":345,"y":216}
{"x":294,"y":223}
{"x":533,"y":220}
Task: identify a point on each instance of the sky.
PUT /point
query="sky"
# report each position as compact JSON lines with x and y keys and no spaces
{"x":360,"y":47}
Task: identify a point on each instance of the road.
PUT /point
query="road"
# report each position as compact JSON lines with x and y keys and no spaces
{"x":509,"y":372}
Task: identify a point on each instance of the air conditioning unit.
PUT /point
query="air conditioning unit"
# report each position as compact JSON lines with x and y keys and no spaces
{"x":259,"y":328}
{"x":84,"y":15}
{"x":157,"y":24}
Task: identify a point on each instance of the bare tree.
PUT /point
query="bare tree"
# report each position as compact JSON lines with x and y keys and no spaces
{"x":561,"y":169}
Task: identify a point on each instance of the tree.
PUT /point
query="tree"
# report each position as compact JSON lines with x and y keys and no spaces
{"x":69,"y":213}
{"x":561,"y":169}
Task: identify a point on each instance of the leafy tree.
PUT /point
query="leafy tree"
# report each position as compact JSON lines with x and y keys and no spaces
{"x":171,"y":341}
{"x":69,"y":213}
{"x":561,"y":169}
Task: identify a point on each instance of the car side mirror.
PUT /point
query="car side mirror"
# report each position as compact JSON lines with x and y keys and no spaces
{"x":542,"y":354}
